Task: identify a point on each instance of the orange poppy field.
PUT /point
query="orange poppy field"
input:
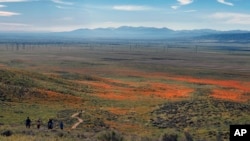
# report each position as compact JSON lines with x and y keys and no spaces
{"x":135,"y":94}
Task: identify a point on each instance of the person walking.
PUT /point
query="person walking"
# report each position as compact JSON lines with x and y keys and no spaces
{"x":38,"y":124}
{"x":28,"y":122}
{"x":50,"y":124}
{"x":61,"y":125}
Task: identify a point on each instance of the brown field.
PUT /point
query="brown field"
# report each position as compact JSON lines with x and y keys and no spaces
{"x":120,"y":89}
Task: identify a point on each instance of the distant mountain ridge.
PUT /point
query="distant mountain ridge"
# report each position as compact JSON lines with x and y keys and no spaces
{"x":128,"y":32}
{"x":245,"y":36}
{"x":122,"y":32}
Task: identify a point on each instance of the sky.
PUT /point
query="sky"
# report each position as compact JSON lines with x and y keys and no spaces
{"x":67,"y":15}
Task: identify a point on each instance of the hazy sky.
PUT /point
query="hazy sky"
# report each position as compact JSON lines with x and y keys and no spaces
{"x":65,"y":15}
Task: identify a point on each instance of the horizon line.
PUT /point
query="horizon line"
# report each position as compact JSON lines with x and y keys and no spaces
{"x":88,"y":28}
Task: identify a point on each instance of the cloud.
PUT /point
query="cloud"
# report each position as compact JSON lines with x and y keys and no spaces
{"x":13,"y":24}
{"x":185,"y":2}
{"x":6,"y":26}
{"x":62,"y":7}
{"x":175,"y":7}
{"x":130,"y":8}
{"x":226,"y":3}
{"x":62,"y":2}
{"x":232,"y":18}
{"x":182,"y":2}
{"x":13,"y":0}
{"x":8,"y":14}
{"x":189,"y":11}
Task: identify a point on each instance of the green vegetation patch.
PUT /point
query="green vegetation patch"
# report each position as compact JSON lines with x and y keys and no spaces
{"x":206,"y":116}
{"x":15,"y":85}
{"x":15,"y":78}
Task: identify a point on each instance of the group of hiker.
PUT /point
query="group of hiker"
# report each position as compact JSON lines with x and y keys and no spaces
{"x":39,"y":122}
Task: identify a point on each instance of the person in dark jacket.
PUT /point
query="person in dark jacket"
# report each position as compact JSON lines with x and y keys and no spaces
{"x":50,"y":124}
{"x":61,"y":125}
{"x":28,"y":122}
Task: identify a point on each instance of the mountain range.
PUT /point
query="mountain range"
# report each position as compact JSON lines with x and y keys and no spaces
{"x":127,"y":32}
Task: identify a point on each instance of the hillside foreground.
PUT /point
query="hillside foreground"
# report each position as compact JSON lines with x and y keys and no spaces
{"x":126,"y":94}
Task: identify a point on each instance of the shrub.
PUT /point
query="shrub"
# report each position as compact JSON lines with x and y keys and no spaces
{"x":167,"y":137}
{"x":110,"y":136}
{"x":188,"y":136}
{"x":7,"y":133}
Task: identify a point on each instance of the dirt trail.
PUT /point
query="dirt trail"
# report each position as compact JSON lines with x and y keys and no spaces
{"x":76,"y":115}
